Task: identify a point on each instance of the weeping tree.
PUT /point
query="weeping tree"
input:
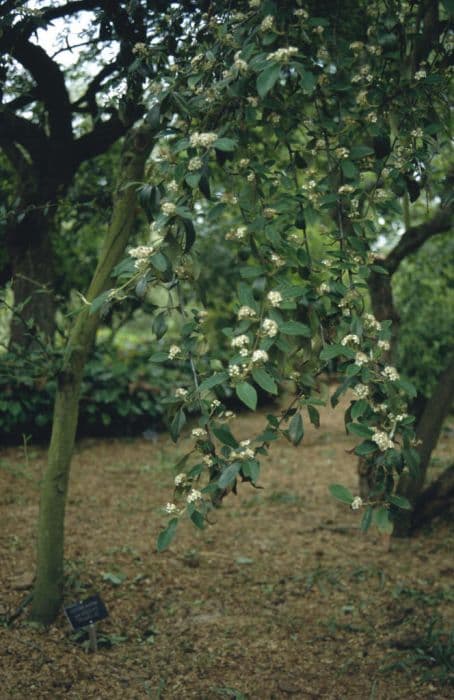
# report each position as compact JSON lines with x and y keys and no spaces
{"x":274,"y":121}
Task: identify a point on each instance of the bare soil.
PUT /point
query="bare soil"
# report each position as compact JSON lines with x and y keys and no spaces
{"x":281,"y":597}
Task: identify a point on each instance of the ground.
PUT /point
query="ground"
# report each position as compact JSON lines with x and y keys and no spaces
{"x":280,"y":597}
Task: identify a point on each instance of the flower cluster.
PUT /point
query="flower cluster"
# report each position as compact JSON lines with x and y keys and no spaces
{"x":246,"y":312}
{"x":195,"y":164}
{"x":174,"y":352}
{"x":259,"y":357}
{"x":275,"y":298}
{"x":267,"y":23}
{"x":282,"y":55}
{"x":181,"y":393}
{"x":390,"y":373}
{"x":371,"y":323}
{"x":350,"y":339}
{"x":382,"y":439}
{"x":361,"y":391}
{"x":361,"y":359}
{"x":356,"y":503}
{"x":270,"y":328}
{"x":194,"y":496}
{"x":205,"y":139}
{"x":199,"y":434}
{"x":168,"y":208}
{"x":239,"y":341}
{"x":238,"y":234}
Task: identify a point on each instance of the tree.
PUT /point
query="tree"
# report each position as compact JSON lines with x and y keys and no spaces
{"x":53,"y":118}
{"x":276,"y":122}
{"x":358,"y":150}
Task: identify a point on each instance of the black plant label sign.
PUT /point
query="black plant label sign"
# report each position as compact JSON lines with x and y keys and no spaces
{"x":86,"y":612}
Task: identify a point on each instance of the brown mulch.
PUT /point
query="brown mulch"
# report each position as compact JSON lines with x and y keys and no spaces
{"x":281,"y":597}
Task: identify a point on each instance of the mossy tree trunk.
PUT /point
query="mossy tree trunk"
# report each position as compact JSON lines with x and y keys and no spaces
{"x":48,"y":590}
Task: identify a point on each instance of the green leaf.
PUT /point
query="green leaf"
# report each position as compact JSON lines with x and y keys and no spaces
{"x":214,"y":380}
{"x":296,"y":429}
{"x":190,"y":235}
{"x":264,"y":380}
{"x":349,"y":169}
{"x":400,"y":502}
{"x":366,"y":519}
{"x":99,"y":302}
{"x":365,"y":448}
{"x":357,"y":152}
{"x":177,"y":424}
{"x":159,"y":262}
{"x":159,"y":357}
{"x":247,"y":394}
{"x":229,"y":475}
{"x":166,"y":536}
{"x":383,"y":521}
{"x":295,"y":328}
{"x":198,"y":519}
{"x":225,"y":144}
{"x":358,"y":429}
{"x":341,"y":493}
{"x":335,"y":350}
{"x":267,"y":79}
{"x":314,"y":416}
{"x":224,"y":435}
{"x":359,"y":408}
{"x":251,"y":469}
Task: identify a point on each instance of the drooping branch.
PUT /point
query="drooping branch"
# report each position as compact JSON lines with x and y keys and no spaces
{"x":416,"y":236}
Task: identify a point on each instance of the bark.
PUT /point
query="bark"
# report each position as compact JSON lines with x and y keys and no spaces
{"x":33,"y":279}
{"x":48,"y":591}
{"x":436,"y":500}
{"x":427,"y":431}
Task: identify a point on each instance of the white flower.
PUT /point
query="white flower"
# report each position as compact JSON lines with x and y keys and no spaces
{"x":301,"y":13}
{"x":215,"y":404}
{"x":401,"y":416}
{"x":259,"y":356}
{"x":361,"y":359}
{"x":267,"y":23}
{"x":193,"y":496}
{"x":172,"y":186}
{"x":208,"y":460}
{"x":245,"y":443}
{"x":244,"y":162}
{"x":234,"y":371}
{"x":239,"y":341}
{"x":270,"y":327}
{"x":342,"y":152}
{"x":142,"y":251}
{"x":174,"y":351}
{"x":275,"y":298}
{"x":324,"y":288}
{"x":251,"y":177}
{"x":244,"y":352}
{"x":384,"y":345}
{"x":241,"y":65}
{"x":199,"y":433}
{"x":180,"y":479}
{"x":346,"y":189}
{"x":282,"y":55}
{"x":277,"y":260}
{"x":382,"y":439}
{"x":246,"y":453}
{"x":361,"y":391}
{"x":356,"y":503}
{"x":171,"y":508}
{"x":269,"y":213}
{"x":417,"y":133}
{"x":361,"y":98}
{"x":168,"y":208}
{"x":246,"y":312}
{"x":350,"y":338}
{"x":390,"y":373}
{"x":420,"y":74}
{"x":372,"y":117}
{"x":254,"y":4}
{"x":205,"y":139}
{"x":195,"y":164}
{"x":181,"y":393}
{"x":356,"y":45}
{"x":371,"y":323}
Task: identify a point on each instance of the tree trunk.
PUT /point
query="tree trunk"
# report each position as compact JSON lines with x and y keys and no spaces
{"x":436,"y":500}
{"x":33,"y":277}
{"x":48,"y":589}
{"x":427,"y":431}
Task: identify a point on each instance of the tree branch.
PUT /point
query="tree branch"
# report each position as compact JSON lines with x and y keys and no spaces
{"x":20,"y":130}
{"x":49,"y":79}
{"x":99,"y":139}
{"x":415,"y":236}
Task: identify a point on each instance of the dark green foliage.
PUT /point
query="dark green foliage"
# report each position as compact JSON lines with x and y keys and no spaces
{"x":122,"y":394}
